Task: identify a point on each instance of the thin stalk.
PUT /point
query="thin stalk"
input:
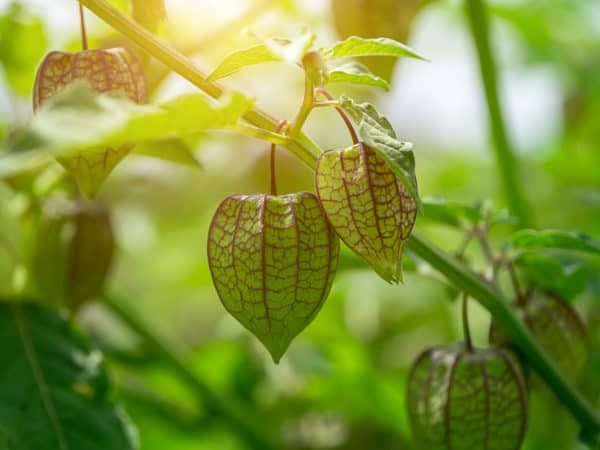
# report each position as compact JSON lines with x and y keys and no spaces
{"x":505,"y":157}
{"x":307,"y":105}
{"x":515,"y":282}
{"x":282,"y":124}
{"x":465,"y":323}
{"x":342,"y":114}
{"x":84,"y":42}
{"x":456,"y":272}
{"x":218,"y":406}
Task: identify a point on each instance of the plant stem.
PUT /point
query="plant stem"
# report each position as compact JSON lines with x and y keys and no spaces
{"x":307,"y":105}
{"x":84,"y":43}
{"x":218,"y":406}
{"x":465,"y":321}
{"x":505,"y":157}
{"x":456,"y":272}
{"x":282,"y":124}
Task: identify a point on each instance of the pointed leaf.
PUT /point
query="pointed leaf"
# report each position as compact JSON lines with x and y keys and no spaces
{"x":555,"y":239}
{"x":358,"y":46}
{"x":270,"y":50}
{"x":377,"y":132}
{"x":356,"y":73}
{"x":272,"y":261}
{"x":55,"y":392}
{"x":239,"y":59}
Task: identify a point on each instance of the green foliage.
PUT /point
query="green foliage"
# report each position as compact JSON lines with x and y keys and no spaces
{"x":23,"y":42}
{"x":355,"y":46}
{"x":555,"y":239}
{"x":565,"y":277}
{"x":356,"y":73}
{"x":257,"y":54}
{"x":59,"y":395}
{"x":78,"y":118}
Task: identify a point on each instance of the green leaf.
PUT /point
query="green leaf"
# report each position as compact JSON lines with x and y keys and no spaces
{"x":55,"y":392}
{"x":149,"y":13}
{"x":356,"y":73}
{"x":269,"y":50}
{"x":358,"y":46}
{"x":239,"y":59}
{"x":78,"y":119}
{"x":23,"y":41}
{"x":377,"y":132}
{"x":174,"y":150}
{"x":555,"y":239}
{"x":566,"y":278}
{"x":451,"y":213}
{"x":272,"y":261}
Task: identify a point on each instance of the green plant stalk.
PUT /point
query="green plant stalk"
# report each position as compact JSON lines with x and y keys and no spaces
{"x":505,"y":157}
{"x":488,"y":296}
{"x":220,"y":407}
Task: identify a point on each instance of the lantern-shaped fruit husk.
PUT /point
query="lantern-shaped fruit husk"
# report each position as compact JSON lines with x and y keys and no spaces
{"x":557,"y":327}
{"x":466,"y":400}
{"x":74,"y":250}
{"x":107,"y":70}
{"x":370,"y":209}
{"x":272,"y":260}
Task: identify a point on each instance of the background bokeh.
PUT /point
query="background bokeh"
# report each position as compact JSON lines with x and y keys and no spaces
{"x":342,"y":383}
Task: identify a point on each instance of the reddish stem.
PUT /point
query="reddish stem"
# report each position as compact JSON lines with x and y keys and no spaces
{"x":342,"y":114}
{"x":465,"y":321}
{"x":84,"y":43}
{"x":282,"y":124}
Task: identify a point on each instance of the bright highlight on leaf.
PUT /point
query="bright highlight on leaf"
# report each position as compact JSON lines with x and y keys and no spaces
{"x":555,"y":239}
{"x":461,"y":400}
{"x":116,"y":69}
{"x":356,"y":73}
{"x":358,"y":46}
{"x":270,"y":50}
{"x":78,"y":118}
{"x":272,"y":260}
{"x":368,"y":206}
{"x":237,"y":60}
